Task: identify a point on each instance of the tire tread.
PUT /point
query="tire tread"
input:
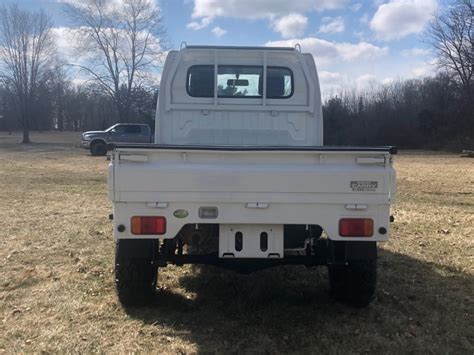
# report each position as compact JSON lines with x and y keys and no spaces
{"x":135,"y":272}
{"x":355,"y":283}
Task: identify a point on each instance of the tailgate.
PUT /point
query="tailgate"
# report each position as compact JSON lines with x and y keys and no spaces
{"x":156,"y":173}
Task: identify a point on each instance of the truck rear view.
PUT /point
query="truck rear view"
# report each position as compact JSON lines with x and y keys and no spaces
{"x":239,"y":177}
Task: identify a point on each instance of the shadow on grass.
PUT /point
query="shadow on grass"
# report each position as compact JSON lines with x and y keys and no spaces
{"x":418,"y":307}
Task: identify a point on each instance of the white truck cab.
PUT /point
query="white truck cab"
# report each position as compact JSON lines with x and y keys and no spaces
{"x":238,"y":177}
{"x":239,"y":96}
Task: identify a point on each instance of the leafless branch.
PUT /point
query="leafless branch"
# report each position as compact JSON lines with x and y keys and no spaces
{"x":451,"y":37}
{"x":27,"y":53}
{"x":121,"y":39}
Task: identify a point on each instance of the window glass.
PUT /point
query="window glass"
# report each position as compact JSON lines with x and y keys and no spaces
{"x":200,"y":81}
{"x":130,"y":129}
{"x":238,"y":81}
{"x":279,"y":82}
{"x":118,"y":129}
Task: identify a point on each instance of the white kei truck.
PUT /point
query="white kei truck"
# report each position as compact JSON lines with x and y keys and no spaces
{"x":238,"y":177}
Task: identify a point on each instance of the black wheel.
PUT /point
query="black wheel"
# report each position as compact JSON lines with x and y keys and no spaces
{"x":354,"y":283}
{"x":135,"y":271}
{"x":98,"y":148}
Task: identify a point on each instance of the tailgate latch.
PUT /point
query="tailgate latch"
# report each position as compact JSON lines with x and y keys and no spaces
{"x":260,"y":205}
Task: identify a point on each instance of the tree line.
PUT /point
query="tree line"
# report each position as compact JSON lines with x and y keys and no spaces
{"x":428,"y":113}
{"x":434,"y":112}
{"x":124,"y":43}
{"x":63,"y":105}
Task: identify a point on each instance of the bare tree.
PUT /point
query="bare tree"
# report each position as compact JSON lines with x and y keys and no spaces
{"x":123,"y":40}
{"x":59,"y":87}
{"x":452,"y":37}
{"x":26,"y":54}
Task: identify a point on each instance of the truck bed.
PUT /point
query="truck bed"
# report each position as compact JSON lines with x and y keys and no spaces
{"x":266,"y":185}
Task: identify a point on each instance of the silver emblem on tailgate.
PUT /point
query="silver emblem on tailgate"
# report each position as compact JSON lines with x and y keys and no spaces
{"x":364,"y":185}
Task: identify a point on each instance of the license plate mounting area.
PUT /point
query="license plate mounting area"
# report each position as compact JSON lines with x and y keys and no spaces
{"x":251,"y":241}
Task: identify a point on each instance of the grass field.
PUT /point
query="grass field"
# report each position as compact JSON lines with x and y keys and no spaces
{"x":56,"y":271}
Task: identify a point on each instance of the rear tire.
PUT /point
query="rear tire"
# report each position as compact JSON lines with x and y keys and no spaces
{"x":98,"y":148}
{"x":135,"y":271}
{"x":355,"y":283}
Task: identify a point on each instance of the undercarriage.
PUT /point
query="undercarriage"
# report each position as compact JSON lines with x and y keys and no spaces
{"x":303,"y":245}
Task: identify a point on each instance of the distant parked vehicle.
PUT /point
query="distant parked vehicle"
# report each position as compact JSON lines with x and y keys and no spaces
{"x":96,"y":141}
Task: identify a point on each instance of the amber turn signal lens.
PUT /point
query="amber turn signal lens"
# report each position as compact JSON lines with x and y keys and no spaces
{"x":356,"y":227}
{"x":148,"y":225}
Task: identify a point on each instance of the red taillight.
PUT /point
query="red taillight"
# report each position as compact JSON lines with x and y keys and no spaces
{"x":356,"y":227}
{"x":148,"y":225}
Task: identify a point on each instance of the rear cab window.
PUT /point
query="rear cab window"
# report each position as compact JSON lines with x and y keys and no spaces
{"x":239,"y":81}
{"x":200,"y":81}
{"x":279,"y":83}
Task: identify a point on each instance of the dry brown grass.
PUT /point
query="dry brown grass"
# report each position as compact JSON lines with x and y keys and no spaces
{"x":57,"y":292}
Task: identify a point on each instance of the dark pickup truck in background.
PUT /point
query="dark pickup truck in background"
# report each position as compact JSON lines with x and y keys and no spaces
{"x":97,"y":141}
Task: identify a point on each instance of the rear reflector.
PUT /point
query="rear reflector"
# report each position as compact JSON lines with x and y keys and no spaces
{"x":207,"y":212}
{"x":356,"y":227}
{"x":148,"y":225}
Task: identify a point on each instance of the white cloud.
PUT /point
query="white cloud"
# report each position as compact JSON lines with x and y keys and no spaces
{"x":415,"y":52}
{"x":366,"y":80}
{"x":109,"y":7}
{"x":388,"y":80}
{"x":218,"y":32}
{"x":76,"y":82}
{"x":361,"y":50}
{"x":285,"y":16}
{"x":291,"y":25}
{"x":70,"y":43}
{"x":356,"y":7}
{"x":199,"y":25}
{"x":332,"y":25}
{"x":326,"y":51}
{"x":425,"y":69}
{"x":329,"y":77}
{"x":331,"y":82}
{"x":260,"y":8}
{"x":66,"y":42}
{"x":67,"y":45}
{"x":400,"y":18}
{"x":421,"y":71}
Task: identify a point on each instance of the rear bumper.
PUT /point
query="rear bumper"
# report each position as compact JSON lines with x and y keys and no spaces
{"x":326,"y":215}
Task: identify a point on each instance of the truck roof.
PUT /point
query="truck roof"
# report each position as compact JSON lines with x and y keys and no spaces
{"x":240,"y":47}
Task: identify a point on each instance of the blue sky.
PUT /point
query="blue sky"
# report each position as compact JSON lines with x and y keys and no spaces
{"x":355,"y":43}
